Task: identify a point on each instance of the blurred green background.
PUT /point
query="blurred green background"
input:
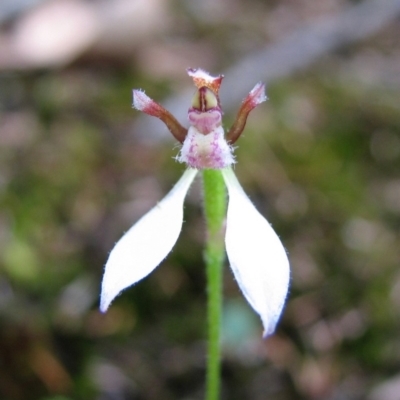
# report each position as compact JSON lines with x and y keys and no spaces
{"x":78,"y":166}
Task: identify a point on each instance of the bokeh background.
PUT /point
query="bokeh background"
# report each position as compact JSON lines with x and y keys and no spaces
{"x":78,"y":166}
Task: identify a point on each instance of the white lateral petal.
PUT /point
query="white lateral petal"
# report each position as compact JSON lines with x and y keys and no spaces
{"x":256,"y":255}
{"x":146,"y":244}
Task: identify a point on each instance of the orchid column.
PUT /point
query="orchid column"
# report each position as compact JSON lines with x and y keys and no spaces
{"x":256,"y":255}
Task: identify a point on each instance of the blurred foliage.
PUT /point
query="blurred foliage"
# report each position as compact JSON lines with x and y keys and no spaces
{"x":321,"y":160}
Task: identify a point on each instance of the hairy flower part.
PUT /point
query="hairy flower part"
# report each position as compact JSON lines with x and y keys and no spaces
{"x":206,"y":151}
{"x":202,"y":78}
{"x":255,"y":253}
{"x":144,"y":103}
{"x":205,"y":145}
{"x":253,"y":99}
{"x":205,"y":119}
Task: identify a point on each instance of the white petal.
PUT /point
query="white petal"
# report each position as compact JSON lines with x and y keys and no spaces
{"x":256,"y":255}
{"x":146,"y":244}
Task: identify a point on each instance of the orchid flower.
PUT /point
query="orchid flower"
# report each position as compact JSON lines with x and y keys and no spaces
{"x":256,"y":255}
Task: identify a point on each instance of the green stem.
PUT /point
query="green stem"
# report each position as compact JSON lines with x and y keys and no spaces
{"x":215,"y":212}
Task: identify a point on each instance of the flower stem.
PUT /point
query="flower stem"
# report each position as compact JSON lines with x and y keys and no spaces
{"x":215,"y":212}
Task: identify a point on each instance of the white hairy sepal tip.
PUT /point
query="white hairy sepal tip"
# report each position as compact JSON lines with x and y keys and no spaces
{"x":146,"y":244}
{"x":258,"y":93}
{"x":256,"y":255}
{"x":201,"y":74}
{"x":206,"y":151}
{"x":140,"y":100}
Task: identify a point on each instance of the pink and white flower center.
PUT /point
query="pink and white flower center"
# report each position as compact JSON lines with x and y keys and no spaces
{"x":206,"y":151}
